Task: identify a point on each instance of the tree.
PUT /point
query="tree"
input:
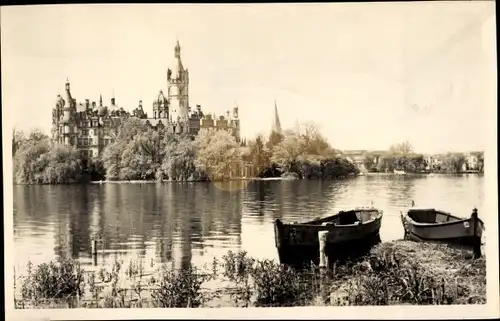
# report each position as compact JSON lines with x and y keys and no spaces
{"x":130,"y":128}
{"x":29,"y":160}
{"x":96,"y":169}
{"x":369,"y":163}
{"x":302,"y":150}
{"x":401,"y":148}
{"x":337,"y":167}
{"x":217,"y":151}
{"x":111,"y":159}
{"x":179,"y":161}
{"x":289,"y":152}
{"x":142,"y":156}
{"x":137,"y":152}
{"x":257,"y":154}
{"x":63,"y":165}
{"x":480,"y":162}
{"x":314,"y":142}
{"x":38,"y":161}
{"x":274,"y":139}
{"x":17,"y":140}
{"x":454,"y":163}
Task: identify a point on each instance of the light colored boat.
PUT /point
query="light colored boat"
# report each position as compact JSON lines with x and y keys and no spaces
{"x":425,"y":224}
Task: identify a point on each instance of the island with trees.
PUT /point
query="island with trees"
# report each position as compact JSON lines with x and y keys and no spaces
{"x":140,"y":152}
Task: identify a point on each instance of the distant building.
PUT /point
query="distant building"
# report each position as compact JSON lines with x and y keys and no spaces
{"x":472,"y":160}
{"x":357,"y":157}
{"x":90,"y":128}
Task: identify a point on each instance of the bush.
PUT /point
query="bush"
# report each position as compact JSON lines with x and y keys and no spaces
{"x":399,"y":272}
{"x":54,"y":280}
{"x":179,"y":289}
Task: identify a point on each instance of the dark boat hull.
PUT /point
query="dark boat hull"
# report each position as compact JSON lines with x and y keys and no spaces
{"x":451,"y":230}
{"x":304,"y":255}
{"x":298,"y":244}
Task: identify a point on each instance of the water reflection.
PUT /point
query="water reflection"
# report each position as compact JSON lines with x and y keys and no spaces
{"x":182,"y":223}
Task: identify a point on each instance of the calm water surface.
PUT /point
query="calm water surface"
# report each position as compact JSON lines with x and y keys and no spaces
{"x":182,"y":223}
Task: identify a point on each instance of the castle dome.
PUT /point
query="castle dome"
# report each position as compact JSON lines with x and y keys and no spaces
{"x":59,"y":101}
{"x":101,"y":111}
{"x":161,"y":99}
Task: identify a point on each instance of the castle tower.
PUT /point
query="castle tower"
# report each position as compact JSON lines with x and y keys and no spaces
{"x":276,"y":122}
{"x":235,"y":122}
{"x":178,"y":84}
{"x":160,"y":107}
{"x":66,"y":126}
{"x":57,"y":113}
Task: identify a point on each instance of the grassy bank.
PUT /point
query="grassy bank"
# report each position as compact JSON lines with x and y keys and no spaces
{"x":399,"y":272}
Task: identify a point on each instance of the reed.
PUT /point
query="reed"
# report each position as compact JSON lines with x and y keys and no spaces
{"x":399,"y":272}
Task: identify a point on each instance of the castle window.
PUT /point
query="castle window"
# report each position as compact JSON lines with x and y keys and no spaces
{"x":90,"y":153}
{"x":90,"y":141}
{"x":79,"y":141}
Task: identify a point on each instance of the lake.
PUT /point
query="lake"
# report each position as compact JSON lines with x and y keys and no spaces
{"x":182,"y":223}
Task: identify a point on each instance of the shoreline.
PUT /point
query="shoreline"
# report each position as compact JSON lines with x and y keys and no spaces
{"x":252,"y":179}
{"x":418,"y":174}
{"x":438,"y":266}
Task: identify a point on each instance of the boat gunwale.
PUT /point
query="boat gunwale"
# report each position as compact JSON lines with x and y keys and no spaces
{"x":379,"y":216}
{"x":460,"y":220}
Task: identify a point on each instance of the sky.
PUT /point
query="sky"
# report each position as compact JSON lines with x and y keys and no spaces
{"x":368,"y":74}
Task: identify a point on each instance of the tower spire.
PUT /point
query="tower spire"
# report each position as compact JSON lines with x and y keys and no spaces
{"x":276,"y":122}
{"x":69,"y":99}
{"x":177,"y":49}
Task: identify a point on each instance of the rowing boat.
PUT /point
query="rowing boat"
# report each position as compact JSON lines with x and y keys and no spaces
{"x":424,"y":224}
{"x":350,"y":234}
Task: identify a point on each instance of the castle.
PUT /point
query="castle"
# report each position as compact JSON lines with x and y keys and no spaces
{"x":90,"y":128}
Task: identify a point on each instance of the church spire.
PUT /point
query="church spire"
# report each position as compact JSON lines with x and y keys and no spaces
{"x":276,"y":122}
{"x":177,"y":49}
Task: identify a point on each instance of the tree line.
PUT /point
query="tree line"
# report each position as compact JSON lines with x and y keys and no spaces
{"x":140,"y":152}
{"x":402,"y":157}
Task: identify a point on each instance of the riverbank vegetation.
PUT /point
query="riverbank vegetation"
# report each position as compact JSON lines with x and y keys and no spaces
{"x":399,"y":272}
{"x":402,"y":157}
{"x":37,"y":160}
{"x":139,"y":152}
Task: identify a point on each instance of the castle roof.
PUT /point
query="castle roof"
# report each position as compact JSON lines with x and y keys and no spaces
{"x":69,"y":99}
{"x":59,"y":101}
{"x":80,"y":108}
{"x":101,"y":111}
{"x":177,"y":68}
{"x":154,"y":121}
{"x":161,"y":99}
